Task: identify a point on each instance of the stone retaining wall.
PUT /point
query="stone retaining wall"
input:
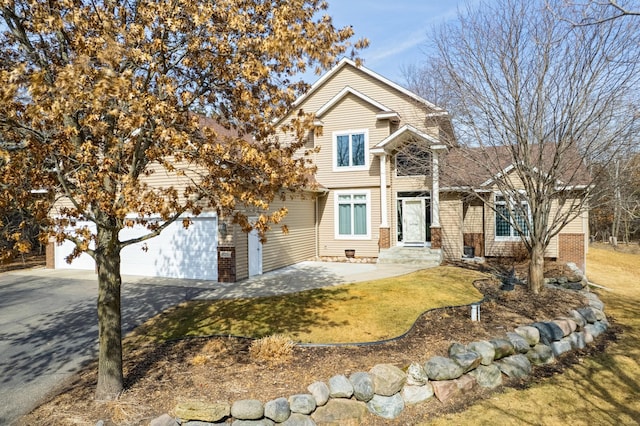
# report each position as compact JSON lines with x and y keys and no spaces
{"x":385,"y":390}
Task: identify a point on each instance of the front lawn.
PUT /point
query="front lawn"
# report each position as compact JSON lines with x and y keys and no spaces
{"x":360,"y":312}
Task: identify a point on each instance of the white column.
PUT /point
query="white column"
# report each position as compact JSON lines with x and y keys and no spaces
{"x":435,"y":191}
{"x":383,"y":192}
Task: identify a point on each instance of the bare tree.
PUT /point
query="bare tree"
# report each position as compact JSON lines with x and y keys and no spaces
{"x":535,"y":98}
{"x":594,"y":12}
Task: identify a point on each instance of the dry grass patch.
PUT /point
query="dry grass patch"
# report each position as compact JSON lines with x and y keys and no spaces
{"x":276,"y":349}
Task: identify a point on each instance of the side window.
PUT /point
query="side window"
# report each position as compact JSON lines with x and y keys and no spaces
{"x":350,"y":150}
{"x":507,"y":209}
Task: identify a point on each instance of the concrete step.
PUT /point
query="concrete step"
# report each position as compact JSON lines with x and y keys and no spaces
{"x":423,"y":256}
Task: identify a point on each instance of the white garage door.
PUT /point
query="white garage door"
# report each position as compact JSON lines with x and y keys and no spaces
{"x":175,"y":253}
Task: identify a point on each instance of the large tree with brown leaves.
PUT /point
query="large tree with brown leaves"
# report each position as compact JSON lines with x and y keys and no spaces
{"x":99,"y":95}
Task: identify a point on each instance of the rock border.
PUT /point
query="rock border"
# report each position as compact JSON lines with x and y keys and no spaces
{"x":386,"y":390}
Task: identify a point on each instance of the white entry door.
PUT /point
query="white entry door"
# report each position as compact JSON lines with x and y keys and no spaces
{"x":413,"y":222}
{"x":255,"y":254}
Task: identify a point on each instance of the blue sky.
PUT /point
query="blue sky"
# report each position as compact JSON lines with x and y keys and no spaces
{"x":396,"y":29}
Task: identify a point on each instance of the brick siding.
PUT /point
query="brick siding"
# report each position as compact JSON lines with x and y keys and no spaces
{"x":571,"y":249}
{"x":226,"y":264}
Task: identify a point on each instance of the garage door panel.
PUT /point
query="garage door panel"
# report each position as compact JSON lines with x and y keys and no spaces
{"x":175,"y":253}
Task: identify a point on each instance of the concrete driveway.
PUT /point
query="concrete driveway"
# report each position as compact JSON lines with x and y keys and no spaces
{"x":48,"y":319}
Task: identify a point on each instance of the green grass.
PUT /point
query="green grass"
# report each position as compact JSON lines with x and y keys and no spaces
{"x":349,"y":313}
{"x":602,"y":389}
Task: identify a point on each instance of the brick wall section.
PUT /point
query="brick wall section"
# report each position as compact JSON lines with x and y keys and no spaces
{"x":436,"y":237}
{"x":50,"y":256}
{"x":385,"y":238}
{"x":226,"y":264}
{"x":571,"y":249}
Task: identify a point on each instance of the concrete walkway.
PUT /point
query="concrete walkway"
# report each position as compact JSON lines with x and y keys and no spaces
{"x":305,"y":276}
{"x":48,"y":318}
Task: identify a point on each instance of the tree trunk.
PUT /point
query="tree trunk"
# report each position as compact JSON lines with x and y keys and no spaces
{"x":107,"y":256}
{"x":536,"y":268}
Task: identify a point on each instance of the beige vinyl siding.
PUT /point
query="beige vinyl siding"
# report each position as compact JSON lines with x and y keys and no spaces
{"x":410,"y":110}
{"x":473,"y":217}
{"x":299,"y":243}
{"x":331,"y":246}
{"x":450,"y":221}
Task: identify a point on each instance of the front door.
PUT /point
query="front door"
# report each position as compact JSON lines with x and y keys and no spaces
{"x":413,"y":222}
{"x":255,"y":254}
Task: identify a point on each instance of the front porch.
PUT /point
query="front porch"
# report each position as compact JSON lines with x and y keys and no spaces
{"x":425,"y":257}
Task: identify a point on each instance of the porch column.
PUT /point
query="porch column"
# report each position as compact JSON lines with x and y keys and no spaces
{"x":385,"y":235}
{"x":436,"y":232}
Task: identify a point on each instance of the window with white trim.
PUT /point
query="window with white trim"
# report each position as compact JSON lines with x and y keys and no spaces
{"x":508,"y":209}
{"x":352,"y":215}
{"x":351,"y":150}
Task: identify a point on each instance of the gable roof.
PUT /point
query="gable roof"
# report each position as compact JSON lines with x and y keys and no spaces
{"x":344,"y":62}
{"x":479,"y":168}
{"x":404,"y":133}
{"x":350,"y":91}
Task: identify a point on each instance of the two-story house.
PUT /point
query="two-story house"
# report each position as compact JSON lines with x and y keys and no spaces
{"x":378,"y":152}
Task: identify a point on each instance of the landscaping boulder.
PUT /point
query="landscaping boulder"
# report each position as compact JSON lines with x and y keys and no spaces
{"x":519,"y":343}
{"x":564,"y":325}
{"x":442,"y":368}
{"x":277,"y":410}
{"x":487,"y":376}
{"x":416,"y":376}
{"x":387,"y":379}
{"x":466,"y":382}
{"x":561,"y":346}
{"x":577,"y":340}
{"x":549,"y":332}
{"x":445,"y":389}
{"x":164,"y":420}
{"x":297,"y":419}
{"x":530,"y":334}
{"x":339,"y":410}
{"x":502,"y":347}
{"x":320,"y":392}
{"x":416,"y":394}
{"x":260,"y":422}
{"x":362,"y":386}
{"x":578,"y":318}
{"x":484,"y":349}
{"x":247,"y":409}
{"x":540,"y":354}
{"x":340,"y":387}
{"x":589,"y":314}
{"x":517,"y":366}
{"x":207,"y":412}
{"x":456,"y":348}
{"x":595,"y":329}
{"x":388,"y":407}
{"x":468,"y":360}
{"x":302,"y":403}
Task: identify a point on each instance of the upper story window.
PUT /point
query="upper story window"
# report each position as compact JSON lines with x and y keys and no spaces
{"x":413,"y":159}
{"x":510,"y":209}
{"x":351,"y":150}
